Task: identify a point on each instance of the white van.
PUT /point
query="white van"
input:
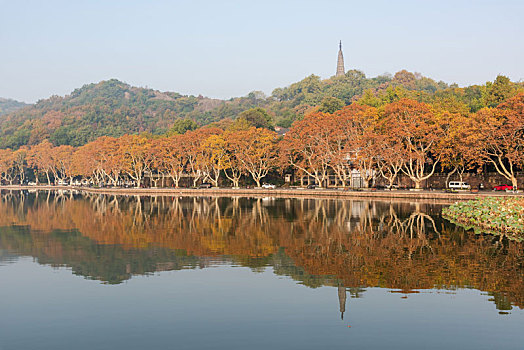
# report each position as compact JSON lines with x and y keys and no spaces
{"x":457,"y":185}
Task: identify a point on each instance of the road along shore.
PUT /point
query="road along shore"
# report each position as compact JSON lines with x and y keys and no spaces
{"x":280,"y":193}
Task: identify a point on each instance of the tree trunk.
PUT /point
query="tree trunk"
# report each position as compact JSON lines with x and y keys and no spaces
{"x":195,"y":181}
{"x":234,"y":178}
{"x":449,"y":176}
{"x":461,"y":175}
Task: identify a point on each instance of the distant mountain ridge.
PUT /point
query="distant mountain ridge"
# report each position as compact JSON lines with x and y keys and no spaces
{"x":8,"y":105}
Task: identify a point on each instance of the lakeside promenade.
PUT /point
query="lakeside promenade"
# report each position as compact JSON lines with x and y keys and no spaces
{"x":281,"y":193}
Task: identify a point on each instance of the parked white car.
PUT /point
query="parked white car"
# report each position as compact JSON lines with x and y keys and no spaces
{"x":457,"y":185}
{"x":268,"y":186}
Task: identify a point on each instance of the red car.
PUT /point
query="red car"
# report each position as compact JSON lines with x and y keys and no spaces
{"x":503,"y":188}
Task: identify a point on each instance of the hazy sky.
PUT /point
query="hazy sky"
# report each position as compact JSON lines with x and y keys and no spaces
{"x":229,"y":48}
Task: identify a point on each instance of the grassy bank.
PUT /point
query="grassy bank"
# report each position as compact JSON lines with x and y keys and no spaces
{"x":502,"y":216}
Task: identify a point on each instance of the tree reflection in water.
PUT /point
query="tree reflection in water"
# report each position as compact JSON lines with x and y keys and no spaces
{"x":348,"y":244}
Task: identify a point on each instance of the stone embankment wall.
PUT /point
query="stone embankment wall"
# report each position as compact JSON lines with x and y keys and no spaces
{"x":283,"y":193}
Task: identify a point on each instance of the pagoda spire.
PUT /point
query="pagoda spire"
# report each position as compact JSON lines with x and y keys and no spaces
{"x":342,"y":300}
{"x":340,"y":62}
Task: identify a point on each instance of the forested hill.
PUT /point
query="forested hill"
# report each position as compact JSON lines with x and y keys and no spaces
{"x":110,"y":108}
{"x":9,"y":105}
{"x":114,"y":108}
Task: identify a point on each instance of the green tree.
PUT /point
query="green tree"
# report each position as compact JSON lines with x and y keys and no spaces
{"x":257,"y":117}
{"x":180,"y":126}
{"x":331,"y":105}
{"x":498,"y":91}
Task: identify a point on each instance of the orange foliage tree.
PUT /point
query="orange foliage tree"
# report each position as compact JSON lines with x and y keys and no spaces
{"x":192,"y":148}
{"x":497,"y":137}
{"x":136,"y":155}
{"x":63,"y":167}
{"x":390,"y":159}
{"x":6,"y":165}
{"x":256,"y":151}
{"x":355,"y":128}
{"x":40,"y":159}
{"x":306,"y":146}
{"x":233,"y":169}
{"x":416,"y":128}
{"x":20,"y":162}
{"x":213,"y":157}
{"x":171,"y":157}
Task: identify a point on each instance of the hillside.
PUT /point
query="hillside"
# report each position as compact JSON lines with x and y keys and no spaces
{"x":8,"y":105}
{"x":107,"y":108}
{"x":114,"y":108}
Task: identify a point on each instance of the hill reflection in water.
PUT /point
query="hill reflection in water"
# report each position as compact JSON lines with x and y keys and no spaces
{"x":349,"y":244}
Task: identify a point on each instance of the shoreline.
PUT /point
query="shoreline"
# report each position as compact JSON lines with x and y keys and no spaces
{"x":281,"y":193}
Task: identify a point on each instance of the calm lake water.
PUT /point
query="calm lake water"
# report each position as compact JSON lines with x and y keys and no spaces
{"x":106,"y":272}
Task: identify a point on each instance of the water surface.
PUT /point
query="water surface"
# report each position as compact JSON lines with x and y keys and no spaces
{"x":107,"y":272}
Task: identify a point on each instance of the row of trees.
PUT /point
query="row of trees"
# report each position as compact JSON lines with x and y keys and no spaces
{"x":406,"y":136}
{"x":409,"y":137}
{"x":204,"y":154}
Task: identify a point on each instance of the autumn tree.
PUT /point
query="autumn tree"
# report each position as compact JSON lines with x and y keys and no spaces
{"x":20,"y":162}
{"x":497,"y":136}
{"x":390,"y":158}
{"x":7,"y":165}
{"x":456,"y":154}
{"x":40,"y":159}
{"x":256,"y":150}
{"x":356,"y":125}
{"x":136,"y":154}
{"x":192,"y":148}
{"x":88,"y":161}
{"x":213,"y":157}
{"x":110,"y":158}
{"x":338,"y":147}
{"x":416,"y":127}
{"x":63,"y":167}
{"x":171,"y":157}
{"x":306,"y":146}
{"x":233,"y":169}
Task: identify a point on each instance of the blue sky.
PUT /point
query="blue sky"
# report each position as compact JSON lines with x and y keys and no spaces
{"x":229,"y":48}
